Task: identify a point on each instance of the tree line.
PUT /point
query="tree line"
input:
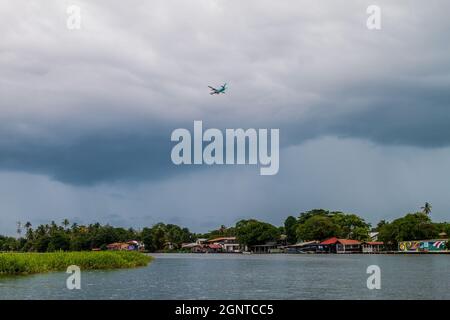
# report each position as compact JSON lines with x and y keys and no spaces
{"x":317,"y":224}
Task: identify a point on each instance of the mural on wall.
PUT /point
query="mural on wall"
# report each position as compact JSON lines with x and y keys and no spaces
{"x":427,"y":245}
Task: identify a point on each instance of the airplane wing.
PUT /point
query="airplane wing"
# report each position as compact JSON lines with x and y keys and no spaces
{"x":212,"y":88}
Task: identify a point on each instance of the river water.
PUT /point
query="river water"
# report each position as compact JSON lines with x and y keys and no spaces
{"x":229,"y":276}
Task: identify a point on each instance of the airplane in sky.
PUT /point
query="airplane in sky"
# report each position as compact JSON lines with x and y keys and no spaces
{"x":218,"y":91}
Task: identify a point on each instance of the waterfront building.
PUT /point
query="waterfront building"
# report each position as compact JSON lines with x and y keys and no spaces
{"x":372,"y":246}
{"x":213,"y":248}
{"x":414,"y":246}
{"x":122,"y":246}
{"x":228,"y":244}
{"x":373,"y":236}
{"x":304,"y":247}
{"x":269,"y":247}
{"x":194,"y":247}
{"x":335,"y":245}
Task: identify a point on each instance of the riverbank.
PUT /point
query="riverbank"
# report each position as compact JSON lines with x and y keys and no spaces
{"x":30,"y":263}
{"x":254,"y":277}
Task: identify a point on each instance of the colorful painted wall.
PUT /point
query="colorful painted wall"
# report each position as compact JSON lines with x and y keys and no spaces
{"x":423,"y":246}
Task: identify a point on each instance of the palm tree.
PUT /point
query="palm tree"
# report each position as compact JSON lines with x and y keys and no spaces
{"x":29,"y":230}
{"x":65,"y":223}
{"x":426,"y":208}
{"x":28,"y":225}
{"x":19,"y":228}
{"x":222,"y":229}
{"x":74,"y":227}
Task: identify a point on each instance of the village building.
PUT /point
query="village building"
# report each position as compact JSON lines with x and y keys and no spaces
{"x":269,"y":247}
{"x":213,"y":248}
{"x":431,"y":246}
{"x":194,"y":247}
{"x":169,"y":245}
{"x":372,"y":246}
{"x":335,"y":245}
{"x":304,"y":247}
{"x":228,"y":244}
{"x":216,"y":245}
{"x":373,"y":236}
{"x":201,"y":241}
{"x":132,"y":245}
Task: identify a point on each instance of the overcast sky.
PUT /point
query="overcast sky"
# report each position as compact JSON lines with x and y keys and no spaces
{"x":86,"y":115}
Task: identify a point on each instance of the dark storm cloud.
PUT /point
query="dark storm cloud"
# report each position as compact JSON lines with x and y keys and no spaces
{"x":92,"y":158}
{"x":411,"y":114}
{"x":98,"y":105}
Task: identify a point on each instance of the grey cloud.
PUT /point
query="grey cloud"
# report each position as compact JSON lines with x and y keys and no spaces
{"x":95,"y":157}
{"x":374,"y":181}
{"x":98,"y":105}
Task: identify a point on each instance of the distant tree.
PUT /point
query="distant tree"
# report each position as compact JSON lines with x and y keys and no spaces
{"x":290,"y":229}
{"x":177,"y":235}
{"x":351,"y":226}
{"x":317,"y":227}
{"x":319,"y":224}
{"x":29,"y":233}
{"x":58,"y":241}
{"x":147,"y":239}
{"x":222,"y":229}
{"x":304,"y":216}
{"x":19,"y":228}
{"x":65,"y":223}
{"x":426,"y":208}
{"x":9,"y":244}
{"x":159,"y":235}
{"x":74,"y":227}
{"x":443,"y":227}
{"x":360,"y":233}
{"x":413,"y":226}
{"x":254,"y":232}
{"x":379,"y":225}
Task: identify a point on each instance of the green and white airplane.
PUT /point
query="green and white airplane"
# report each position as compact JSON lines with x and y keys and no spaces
{"x":218,"y":91}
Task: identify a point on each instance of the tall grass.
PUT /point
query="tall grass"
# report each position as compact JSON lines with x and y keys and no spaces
{"x":28,"y":263}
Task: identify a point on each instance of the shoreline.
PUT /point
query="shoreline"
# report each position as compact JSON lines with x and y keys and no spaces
{"x":305,"y":253}
{"x":27,"y":263}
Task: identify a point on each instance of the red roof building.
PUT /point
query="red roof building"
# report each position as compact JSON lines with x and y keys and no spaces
{"x":336,"y":245}
{"x":335,"y":240}
{"x":330,"y":241}
{"x":227,"y":244}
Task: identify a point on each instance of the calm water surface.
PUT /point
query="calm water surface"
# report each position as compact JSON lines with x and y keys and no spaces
{"x":223,"y":276}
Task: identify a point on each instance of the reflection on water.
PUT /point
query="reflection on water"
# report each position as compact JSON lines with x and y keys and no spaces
{"x":223,"y":276}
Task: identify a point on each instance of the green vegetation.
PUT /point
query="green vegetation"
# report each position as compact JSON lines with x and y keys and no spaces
{"x":317,"y":224}
{"x":426,"y":208}
{"x":223,"y":231}
{"x":320,"y":224}
{"x":413,"y":226}
{"x":29,"y":263}
{"x":160,"y":235}
{"x":52,"y":237}
{"x":290,"y":227}
{"x":254,"y":232}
